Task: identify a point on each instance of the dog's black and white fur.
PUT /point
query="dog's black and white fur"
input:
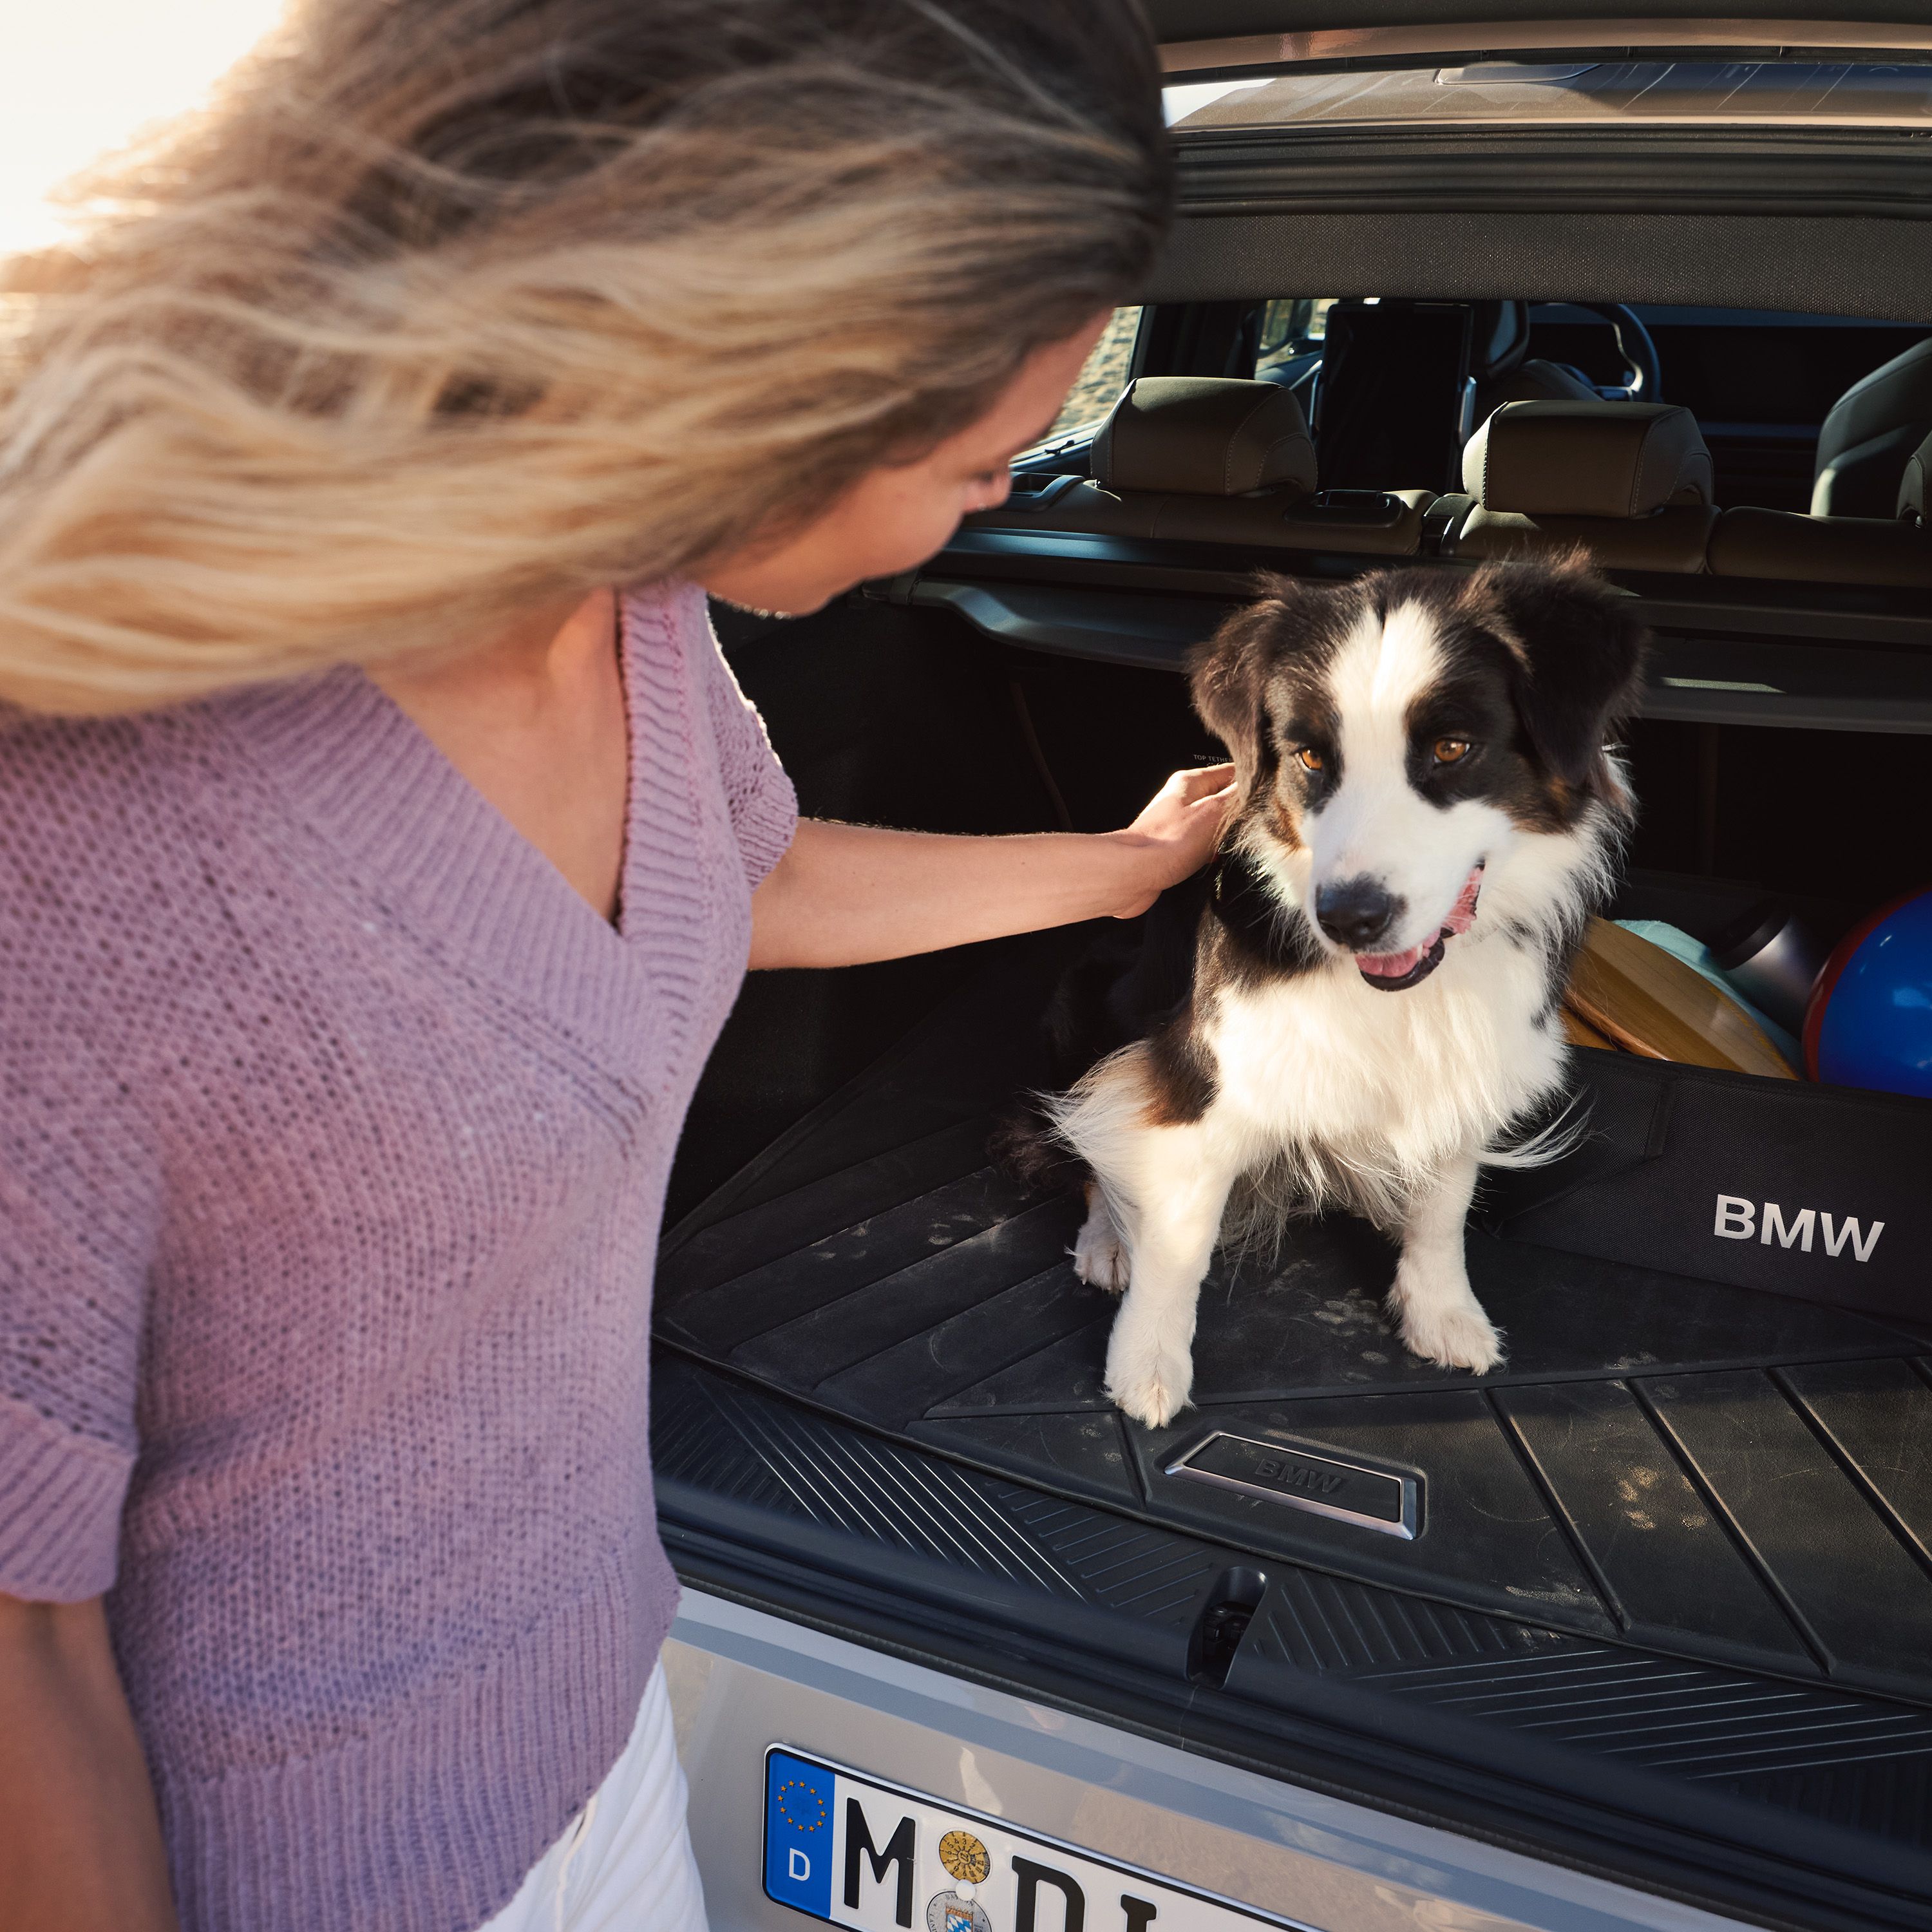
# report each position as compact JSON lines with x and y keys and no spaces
{"x":1426,"y":814}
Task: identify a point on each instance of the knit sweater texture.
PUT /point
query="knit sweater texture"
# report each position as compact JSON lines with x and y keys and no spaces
{"x":334,"y":1129}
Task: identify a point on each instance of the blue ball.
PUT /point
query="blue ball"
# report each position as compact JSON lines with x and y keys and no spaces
{"x":1871,"y":1019}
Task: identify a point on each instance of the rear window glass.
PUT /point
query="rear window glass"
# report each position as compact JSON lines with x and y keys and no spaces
{"x":1577,"y":93}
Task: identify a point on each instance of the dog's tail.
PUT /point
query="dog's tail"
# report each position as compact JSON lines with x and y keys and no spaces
{"x":1563,"y":1133}
{"x":1025,"y":1146}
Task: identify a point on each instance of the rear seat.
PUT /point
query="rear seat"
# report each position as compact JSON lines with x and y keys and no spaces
{"x":1890,"y":552}
{"x":1630,"y":481}
{"x":1216,"y":459}
{"x":1213,"y":459}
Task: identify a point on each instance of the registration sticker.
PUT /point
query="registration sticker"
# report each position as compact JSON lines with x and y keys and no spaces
{"x":854,"y":1851}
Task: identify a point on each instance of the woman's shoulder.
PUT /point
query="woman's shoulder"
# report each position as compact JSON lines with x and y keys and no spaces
{"x":759,"y":797}
{"x":99,"y":834}
{"x":666,"y":624}
{"x":674,"y":657}
{"x":667,"y":627}
{"x":101,"y":787}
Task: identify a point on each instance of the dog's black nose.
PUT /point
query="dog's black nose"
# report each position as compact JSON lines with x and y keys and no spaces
{"x":1355,"y":913}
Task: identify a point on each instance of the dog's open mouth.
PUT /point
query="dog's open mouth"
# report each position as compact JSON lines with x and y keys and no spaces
{"x":1393,"y":971}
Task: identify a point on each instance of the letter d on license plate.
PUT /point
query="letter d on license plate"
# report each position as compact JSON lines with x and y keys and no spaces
{"x":877,"y":1857}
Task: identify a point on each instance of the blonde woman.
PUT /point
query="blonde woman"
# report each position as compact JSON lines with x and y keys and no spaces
{"x":383,"y":839}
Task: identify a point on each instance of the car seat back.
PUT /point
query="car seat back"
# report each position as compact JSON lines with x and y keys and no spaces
{"x":1893,"y":551}
{"x":1631,"y":482}
{"x":1214,"y":460}
{"x":1870,"y":435}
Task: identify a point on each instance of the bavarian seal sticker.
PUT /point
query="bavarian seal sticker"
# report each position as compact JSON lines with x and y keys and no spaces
{"x":956,"y":1912}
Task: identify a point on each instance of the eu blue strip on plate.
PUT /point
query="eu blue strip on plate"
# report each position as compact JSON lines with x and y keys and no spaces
{"x":798,"y":1834}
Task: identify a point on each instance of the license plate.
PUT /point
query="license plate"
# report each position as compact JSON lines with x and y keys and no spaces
{"x":852,"y":1851}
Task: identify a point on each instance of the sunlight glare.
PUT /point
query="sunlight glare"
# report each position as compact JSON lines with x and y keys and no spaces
{"x":80,"y":78}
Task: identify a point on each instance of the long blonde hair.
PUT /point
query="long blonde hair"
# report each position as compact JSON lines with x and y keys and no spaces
{"x":447,"y":308}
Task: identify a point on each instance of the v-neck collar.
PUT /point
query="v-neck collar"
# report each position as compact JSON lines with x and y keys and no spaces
{"x":425,"y":843}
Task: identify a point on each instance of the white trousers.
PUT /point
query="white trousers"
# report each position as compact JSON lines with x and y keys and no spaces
{"x":624,"y":1862}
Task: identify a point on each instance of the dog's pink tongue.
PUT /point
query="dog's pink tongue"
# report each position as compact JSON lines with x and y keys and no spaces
{"x":1391,"y":965}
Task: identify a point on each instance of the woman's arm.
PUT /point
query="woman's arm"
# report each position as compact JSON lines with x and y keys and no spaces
{"x":846,"y":893}
{"x":80,"y":1844}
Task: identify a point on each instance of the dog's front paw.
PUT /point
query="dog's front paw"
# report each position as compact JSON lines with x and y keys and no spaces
{"x":1151,"y":1382}
{"x":1455,"y":1334}
{"x":1100,"y":1254}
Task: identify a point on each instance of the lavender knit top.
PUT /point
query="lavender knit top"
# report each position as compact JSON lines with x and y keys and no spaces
{"x":335,"y":1128}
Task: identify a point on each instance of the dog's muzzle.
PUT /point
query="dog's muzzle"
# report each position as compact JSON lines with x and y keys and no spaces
{"x":1394,"y":972}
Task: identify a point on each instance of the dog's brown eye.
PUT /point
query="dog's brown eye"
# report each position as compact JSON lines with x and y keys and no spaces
{"x":1311,"y":759}
{"x":1451,"y":751}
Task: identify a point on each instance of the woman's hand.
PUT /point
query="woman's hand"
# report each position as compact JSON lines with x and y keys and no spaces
{"x":844,"y":894}
{"x":1177,"y":832}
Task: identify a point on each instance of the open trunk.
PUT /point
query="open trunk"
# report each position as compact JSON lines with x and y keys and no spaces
{"x":1654,"y":1597}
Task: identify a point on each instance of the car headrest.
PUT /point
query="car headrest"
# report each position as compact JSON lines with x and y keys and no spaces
{"x":1563,"y":459}
{"x":1204,"y":436}
{"x":1911,"y":491}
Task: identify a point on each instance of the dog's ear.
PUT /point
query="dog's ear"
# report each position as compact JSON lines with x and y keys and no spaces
{"x":1226,"y":672}
{"x":1581,"y":648}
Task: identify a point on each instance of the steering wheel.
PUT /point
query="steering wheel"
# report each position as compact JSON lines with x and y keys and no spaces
{"x":1643,"y":373}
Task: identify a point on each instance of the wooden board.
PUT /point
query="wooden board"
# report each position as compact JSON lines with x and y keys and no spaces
{"x":1648,"y":1001}
{"x":1579,"y":1032}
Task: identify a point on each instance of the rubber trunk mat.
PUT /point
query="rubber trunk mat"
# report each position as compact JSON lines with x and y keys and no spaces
{"x":1735,"y":1477}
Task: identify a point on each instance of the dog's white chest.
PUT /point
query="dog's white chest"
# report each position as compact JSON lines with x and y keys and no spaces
{"x":1323,"y":1057}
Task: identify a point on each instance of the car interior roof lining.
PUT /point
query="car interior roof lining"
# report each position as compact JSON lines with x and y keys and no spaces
{"x":1849,"y":265}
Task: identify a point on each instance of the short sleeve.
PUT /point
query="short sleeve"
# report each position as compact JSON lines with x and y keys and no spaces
{"x":78,"y":1219}
{"x":764,"y":806}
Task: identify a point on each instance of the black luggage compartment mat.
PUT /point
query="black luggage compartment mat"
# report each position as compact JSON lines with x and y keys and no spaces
{"x":1732,"y":1476}
{"x":1795,"y":1792}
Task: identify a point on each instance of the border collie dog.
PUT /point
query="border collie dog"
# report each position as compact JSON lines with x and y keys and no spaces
{"x":1426,"y":814}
